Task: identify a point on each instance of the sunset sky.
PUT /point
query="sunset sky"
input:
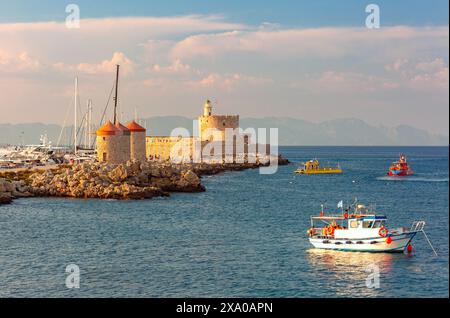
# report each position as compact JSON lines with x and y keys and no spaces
{"x":311,"y":60}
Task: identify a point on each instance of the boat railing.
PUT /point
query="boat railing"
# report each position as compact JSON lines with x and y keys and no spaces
{"x":417,"y":226}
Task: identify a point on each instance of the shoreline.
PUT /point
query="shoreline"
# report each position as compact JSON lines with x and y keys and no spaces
{"x":130,"y":181}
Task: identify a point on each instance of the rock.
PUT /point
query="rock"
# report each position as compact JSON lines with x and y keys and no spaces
{"x":142,"y":178}
{"x":5,"y":198}
{"x":191,"y":177}
{"x":118,"y":174}
{"x":133,"y":167}
{"x":2,"y":187}
{"x":6,"y":186}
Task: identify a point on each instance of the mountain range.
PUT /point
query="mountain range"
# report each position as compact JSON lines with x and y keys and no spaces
{"x":291,"y":132}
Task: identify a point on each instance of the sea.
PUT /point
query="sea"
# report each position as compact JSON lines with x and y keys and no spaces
{"x":244,"y":237}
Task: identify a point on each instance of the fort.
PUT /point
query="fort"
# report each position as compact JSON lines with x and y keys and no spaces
{"x":219,"y":140}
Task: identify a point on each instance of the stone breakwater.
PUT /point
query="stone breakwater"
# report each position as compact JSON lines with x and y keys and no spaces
{"x":133,"y":180}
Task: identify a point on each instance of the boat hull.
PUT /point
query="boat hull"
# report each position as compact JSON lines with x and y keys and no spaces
{"x":399,"y":173}
{"x":329,"y":171}
{"x":377,"y":245}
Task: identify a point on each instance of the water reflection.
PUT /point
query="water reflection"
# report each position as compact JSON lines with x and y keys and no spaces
{"x":345,"y":273}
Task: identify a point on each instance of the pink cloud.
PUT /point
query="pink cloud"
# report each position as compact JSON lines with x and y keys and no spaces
{"x":229,"y":81}
{"x":319,"y":42}
{"x":177,"y":67}
{"x":104,"y":67}
{"x":19,"y":62}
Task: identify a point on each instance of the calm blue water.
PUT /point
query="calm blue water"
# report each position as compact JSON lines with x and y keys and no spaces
{"x":244,"y":237}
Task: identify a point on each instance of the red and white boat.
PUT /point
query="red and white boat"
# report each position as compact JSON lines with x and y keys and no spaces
{"x":400,"y":168}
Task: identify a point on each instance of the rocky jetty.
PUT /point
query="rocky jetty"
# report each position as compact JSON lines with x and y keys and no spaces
{"x":10,"y":190}
{"x":133,"y":180}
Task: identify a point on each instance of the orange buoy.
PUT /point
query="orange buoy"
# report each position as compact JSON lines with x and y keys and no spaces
{"x":389,"y":240}
{"x":409,"y":248}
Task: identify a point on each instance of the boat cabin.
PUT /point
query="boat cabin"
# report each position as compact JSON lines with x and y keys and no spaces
{"x":362,"y":227}
{"x":311,"y":165}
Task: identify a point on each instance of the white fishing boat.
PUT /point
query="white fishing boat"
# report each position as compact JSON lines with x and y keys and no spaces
{"x":361,"y":230}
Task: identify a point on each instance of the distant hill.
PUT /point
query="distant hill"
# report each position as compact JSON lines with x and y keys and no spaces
{"x":345,"y":132}
{"x":291,"y":132}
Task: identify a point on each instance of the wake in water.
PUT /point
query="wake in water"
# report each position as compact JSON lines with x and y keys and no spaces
{"x":413,"y":178}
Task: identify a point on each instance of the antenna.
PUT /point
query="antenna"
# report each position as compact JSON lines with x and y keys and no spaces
{"x":115,"y":95}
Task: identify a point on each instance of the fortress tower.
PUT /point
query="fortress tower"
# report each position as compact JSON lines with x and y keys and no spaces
{"x":108,"y":143}
{"x":137,"y":141}
{"x":124,"y":140}
{"x":212,"y":127}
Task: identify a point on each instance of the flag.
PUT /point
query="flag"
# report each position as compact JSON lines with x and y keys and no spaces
{"x":340,"y":204}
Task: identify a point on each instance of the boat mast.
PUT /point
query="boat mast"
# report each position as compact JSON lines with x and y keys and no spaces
{"x":115,"y":96}
{"x":89,"y":121}
{"x":86,"y":125}
{"x":75,"y":123}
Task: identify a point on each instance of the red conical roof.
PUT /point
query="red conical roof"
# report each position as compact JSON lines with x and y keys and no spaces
{"x":107,"y":129}
{"x":133,"y":126}
{"x":124,"y":130}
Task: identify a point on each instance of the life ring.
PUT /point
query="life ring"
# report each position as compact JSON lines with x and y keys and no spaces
{"x":330,"y":231}
{"x":383,"y":232}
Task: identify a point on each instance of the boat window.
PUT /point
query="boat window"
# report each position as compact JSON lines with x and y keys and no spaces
{"x":353,"y":224}
{"x":378,"y":224}
{"x":367,"y":224}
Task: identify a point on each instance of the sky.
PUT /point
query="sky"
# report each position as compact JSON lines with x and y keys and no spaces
{"x":314,"y":60}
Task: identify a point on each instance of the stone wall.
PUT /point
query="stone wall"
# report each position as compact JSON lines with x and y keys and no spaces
{"x":160,"y":147}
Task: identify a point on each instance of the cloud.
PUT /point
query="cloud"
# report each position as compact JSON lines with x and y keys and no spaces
{"x":177,"y":67}
{"x":52,"y":42}
{"x":432,"y":75}
{"x":352,"y":83}
{"x":253,"y":68}
{"x":207,"y":83}
{"x":18,"y":63}
{"x":433,"y":66}
{"x":104,"y":67}
{"x":131,"y":25}
{"x":429,"y":75}
{"x":397,"y":65}
{"x":319,"y":42}
{"x":229,"y":81}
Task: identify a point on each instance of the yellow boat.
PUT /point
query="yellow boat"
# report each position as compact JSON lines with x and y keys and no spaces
{"x":313,"y":167}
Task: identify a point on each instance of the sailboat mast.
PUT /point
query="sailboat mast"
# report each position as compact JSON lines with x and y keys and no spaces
{"x":86,"y":125}
{"x":75,"y":117}
{"x":115,"y":96}
{"x":89,"y":122}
